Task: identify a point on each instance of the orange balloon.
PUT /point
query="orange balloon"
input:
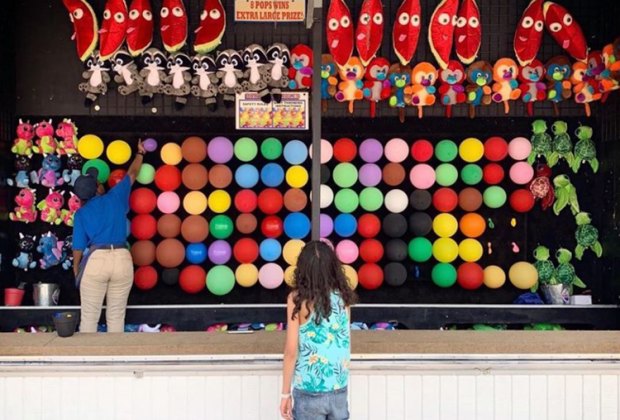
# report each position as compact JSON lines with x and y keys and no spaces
{"x":472,"y":225}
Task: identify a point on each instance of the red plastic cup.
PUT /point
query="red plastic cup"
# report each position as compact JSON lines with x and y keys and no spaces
{"x":13,"y":296}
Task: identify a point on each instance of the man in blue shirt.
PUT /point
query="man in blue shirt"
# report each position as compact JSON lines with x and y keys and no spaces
{"x":102,"y":262}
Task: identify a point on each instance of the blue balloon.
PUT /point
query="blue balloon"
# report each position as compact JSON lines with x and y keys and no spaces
{"x":270,"y":249}
{"x":345,"y":225}
{"x":296,"y":225}
{"x":246,"y":176}
{"x":196,"y":253}
{"x":272,"y":174}
{"x":295,"y":152}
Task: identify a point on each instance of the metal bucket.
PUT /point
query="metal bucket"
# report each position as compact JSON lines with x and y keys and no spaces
{"x":556,"y":294}
{"x":45,"y":294}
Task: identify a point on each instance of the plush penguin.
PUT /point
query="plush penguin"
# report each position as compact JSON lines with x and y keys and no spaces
{"x":230,"y":74}
{"x":204,"y":82}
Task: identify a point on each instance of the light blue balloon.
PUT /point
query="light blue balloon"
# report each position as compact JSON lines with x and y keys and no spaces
{"x":272,"y":175}
{"x":295,"y":152}
{"x":270,"y":249}
{"x":246,"y":176}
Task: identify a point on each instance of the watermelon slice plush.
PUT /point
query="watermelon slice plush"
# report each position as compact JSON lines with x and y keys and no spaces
{"x":529,"y":33}
{"x":173,"y":25}
{"x":85,"y":28}
{"x":565,"y":30}
{"x":406,"y":30}
{"x":140,"y":28}
{"x":113,"y":28}
{"x":468,"y":32}
{"x":212,"y":27}
{"x":441,"y":31}
{"x":369,"y":32}
{"x":340,"y":32}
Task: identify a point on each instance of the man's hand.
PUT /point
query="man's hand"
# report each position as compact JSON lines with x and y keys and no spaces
{"x":286,"y":408}
{"x":141,"y":148}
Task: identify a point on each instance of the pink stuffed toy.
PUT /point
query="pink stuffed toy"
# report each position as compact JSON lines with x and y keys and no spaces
{"x":74,"y":203}
{"x":51,"y":207}
{"x":22,"y":145}
{"x":25,"y":210}
{"x":452,"y":91}
{"x":46,"y":144}
{"x":533,"y":87}
{"x":67,"y":131}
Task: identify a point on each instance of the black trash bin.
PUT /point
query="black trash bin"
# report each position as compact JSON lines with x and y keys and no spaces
{"x":65,"y":323}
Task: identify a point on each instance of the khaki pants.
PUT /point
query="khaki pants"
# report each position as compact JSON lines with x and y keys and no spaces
{"x":109,"y":274}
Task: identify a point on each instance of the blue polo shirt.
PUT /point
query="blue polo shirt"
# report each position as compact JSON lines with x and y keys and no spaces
{"x":103,"y":219}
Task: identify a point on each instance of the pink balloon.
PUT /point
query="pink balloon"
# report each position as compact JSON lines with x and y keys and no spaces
{"x":521,"y":173}
{"x":396,"y":150}
{"x":270,"y":275}
{"x":168,"y":202}
{"x":519,"y":148}
{"x":347,"y":251}
{"x":327,"y":151}
{"x":422,"y":176}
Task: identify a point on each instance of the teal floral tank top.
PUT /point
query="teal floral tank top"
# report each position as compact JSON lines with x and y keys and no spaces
{"x":324,"y":351}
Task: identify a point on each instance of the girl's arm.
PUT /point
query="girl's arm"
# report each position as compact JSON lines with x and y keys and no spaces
{"x":290,"y":357}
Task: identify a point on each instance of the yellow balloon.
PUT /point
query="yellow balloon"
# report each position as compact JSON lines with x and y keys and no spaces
{"x":219,"y":201}
{"x":171,"y":154}
{"x":445,"y":250}
{"x":445,"y":225}
{"x":291,"y":250}
{"x":195,"y":202}
{"x":118,"y":152}
{"x":90,"y":146}
{"x":289,"y":275}
{"x":470,"y":250}
{"x":494,"y":277}
{"x":523,"y":275}
{"x":246,"y":275}
{"x":471,"y":150}
{"x":351,"y":275}
{"x":296,"y":176}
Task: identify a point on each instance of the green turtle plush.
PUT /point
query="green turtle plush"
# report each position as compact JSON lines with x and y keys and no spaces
{"x":541,"y":141}
{"x":585,"y":150}
{"x":586,"y":236}
{"x":565,"y":195}
{"x":562,"y":147}
{"x":544,"y":266}
{"x":565,"y":272}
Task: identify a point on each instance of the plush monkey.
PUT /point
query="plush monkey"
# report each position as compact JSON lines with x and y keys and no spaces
{"x":479,"y":77}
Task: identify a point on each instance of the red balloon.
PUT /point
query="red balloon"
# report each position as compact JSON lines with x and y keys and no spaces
{"x":369,"y":225}
{"x":272,"y":226}
{"x":370,"y":276}
{"x":116,"y":176}
{"x":470,"y":276}
{"x":246,"y":250}
{"x":422,"y":150}
{"x":445,"y":200}
{"x":193,"y":279}
{"x":246,"y":201}
{"x":168,"y":178}
{"x":143,"y":226}
{"x":522,"y":200}
{"x":371,"y":250}
{"x":345,"y":150}
{"x":495,"y":149}
{"x":270,"y":201}
{"x":145,"y":278}
{"x":493,"y":174}
{"x":142,"y":201}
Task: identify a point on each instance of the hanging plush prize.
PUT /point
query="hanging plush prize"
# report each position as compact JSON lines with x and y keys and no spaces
{"x":533,"y":87}
{"x":611,"y":57}
{"x":204,"y":82}
{"x":74,"y":169}
{"x":51,"y":249}
{"x":565,"y":194}
{"x":542,"y":144}
{"x":24,"y":260}
{"x":67,"y":132}
{"x":601,"y":75}
{"x":140,"y":27}
{"x":586,"y":236}
{"x":529,"y":33}
{"x":278,"y":57}
{"x":152,"y":65}
{"x":541,"y":187}
{"x":406,"y":30}
{"x":85,"y":29}
{"x":22,"y":145}
{"x":25,"y":211}
{"x":369,"y":31}
{"x":339,"y":32}
{"x":96,"y":74}
{"x":585,"y":149}
{"x":212,"y":27}
{"x":377,"y":87}
{"x":584,"y":88}
{"x":22,"y":177}
{"x":400,"y":78}
{"x":300,"y":71}
{"x":506,"y":87}
{"x":127,"y":75}
{"x":562,"y":145}
{"x":173,"y":25}
{"x":51,"y":207}
{"x":46,"y":143}
{"x":421,"y":93}
{"x":451,"y":90}
{"x":329,"y":81}
{"x":255,"y":72}
{"x":441,"y":30}
{"x":67,"y":253}
{"x":113,"y":28}
{"x":50,"y":173}
{"x":565,"y":30}
{"x":479,"y":77}
{"x":74,"y":203}
{"x":179,"y":78}
{"x":350,"y":86}
{"x":229,"y":73}
{"x":558,"y":72}
{"x":468,"y":32}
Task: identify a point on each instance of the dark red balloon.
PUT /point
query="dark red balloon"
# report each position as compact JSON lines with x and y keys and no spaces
{"x":522,"y":200}
{"x":470,"y":276}
{"x":246,"y":201}
{"x":445,"y":200}
{"x":246,"y":250}
{"x":371,"y":250}
{"x":168,"y":178}
{"x":370,"y":276}
{"x":193,"y":279}
{"x":142,"y":201}
{"x":145,"y":278}
{"x":143,"y":226}
{"x":345,"y":150}
{"x":495,"y":149}
{"x":493,"y":174}
{"x":116,"y":176}
{"x":270,"y":201}
{"x":422,"y":150}
{"x":272,"y":226}
{"x":368,"y":225}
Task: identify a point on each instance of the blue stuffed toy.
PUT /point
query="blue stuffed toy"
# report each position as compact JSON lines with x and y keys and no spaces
{"x":74,"y":169}
{"x":24,"y":260}
{"x":49,"y":175}
{"x":22,"y":177}
{"x":51,"y":249}
{"x":67,"y":253}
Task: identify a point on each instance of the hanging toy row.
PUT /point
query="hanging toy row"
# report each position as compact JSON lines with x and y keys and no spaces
{"x":50,"y":210}
{"x":53,"y":252}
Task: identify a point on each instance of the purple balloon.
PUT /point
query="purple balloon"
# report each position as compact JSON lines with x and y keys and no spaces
{"x":326,"y":225}
{"x":150,"y":145}
{"x":370,"y":175}
{"x":219,"y":252}
{"x":220,"y":149}
{"x":371,"y":150}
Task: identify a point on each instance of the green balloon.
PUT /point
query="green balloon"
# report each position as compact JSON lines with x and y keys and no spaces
{"x":446,"y":174}
{"x":245,"y":149}
{"x":146,"y":174}
{"x":102,"y":168}
{"x":446,"y":151}
{"x":471,"y":174}
{"x":420,"y":249}
{"x":221,"y":226}
{"x":444,"y":275}
{"x":494,"y":197}
{"x":271,"y":148}
{"x":346,"y":201}
{"x":220,"y":280}
{"x":371,"y":199}
{"x":345,"y":175}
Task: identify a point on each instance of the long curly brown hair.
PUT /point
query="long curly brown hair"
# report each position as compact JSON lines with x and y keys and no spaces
{"x":318,"y":274}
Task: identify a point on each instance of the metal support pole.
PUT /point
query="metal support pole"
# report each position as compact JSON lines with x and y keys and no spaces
{"x":315,"y":114}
